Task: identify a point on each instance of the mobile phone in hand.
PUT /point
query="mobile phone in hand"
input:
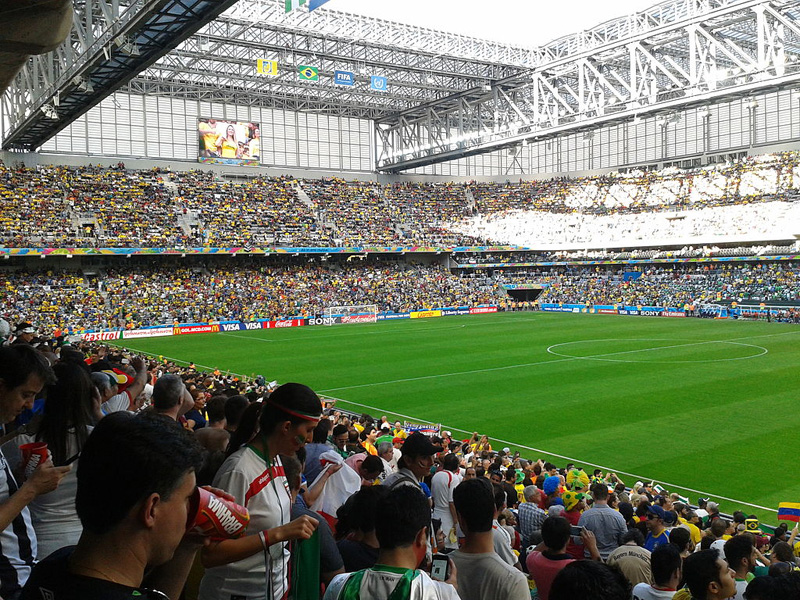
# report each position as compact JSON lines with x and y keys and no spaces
{"x":440,"y":567}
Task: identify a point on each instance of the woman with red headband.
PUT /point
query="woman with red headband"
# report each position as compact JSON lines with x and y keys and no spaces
{"x":256,"y":567}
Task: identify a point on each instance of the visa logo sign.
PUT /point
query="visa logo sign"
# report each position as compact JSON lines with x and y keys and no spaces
{"x":252,"y":325}
{"x":343,"y":78}
{"x":230,"y":327}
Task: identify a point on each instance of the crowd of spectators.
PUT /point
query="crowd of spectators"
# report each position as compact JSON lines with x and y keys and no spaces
{"x":143,"y":294}
{"x":356,"y":502}
{"x":673,"y":286}
{"x":229,"y":289}
{"x":90,"y":206}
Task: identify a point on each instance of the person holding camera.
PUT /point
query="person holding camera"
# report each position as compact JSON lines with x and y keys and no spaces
{"x":549,"y":557}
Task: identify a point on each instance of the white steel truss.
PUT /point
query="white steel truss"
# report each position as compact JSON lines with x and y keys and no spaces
{"x":700,"y":51}
{"x":219,"y":63}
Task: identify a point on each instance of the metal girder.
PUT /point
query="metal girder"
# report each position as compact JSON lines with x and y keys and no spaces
{"x":333,"y":24}
{"x":110,"y":41}
{"x":221,"y":58}
{"x":735,"y":47}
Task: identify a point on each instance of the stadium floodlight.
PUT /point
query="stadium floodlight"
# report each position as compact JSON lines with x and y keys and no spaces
{"x":127,"y":46}
{"x":49,"y":111}
{"x":83,"y":84}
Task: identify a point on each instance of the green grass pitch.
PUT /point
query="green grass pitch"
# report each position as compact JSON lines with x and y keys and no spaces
{"x":707,"y":407}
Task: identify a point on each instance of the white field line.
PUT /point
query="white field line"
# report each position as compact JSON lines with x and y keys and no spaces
{"x":567,"y":458}
{"x":638,"y":477}
{"x":521,"y":365}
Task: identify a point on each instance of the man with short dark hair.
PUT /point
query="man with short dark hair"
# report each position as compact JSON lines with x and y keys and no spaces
{"x":130,"y":523}
{"x":708,"y":576}
{"x":590,"y":580}
{"x":23,"y":374}
{"x":402,"y":528}
{"x":606,"y":523}
{"x":367,"y":466}
{"x":234,"y":409}
{"x":339,"y":436}
{"x":318,"y":446}
{"x":740,"y":552}
{"x":482,"y":574}
{"x":632,"y":559}
{"x":551,"y":556}
{"x":214,"y":437}
{"x":666,"y":564}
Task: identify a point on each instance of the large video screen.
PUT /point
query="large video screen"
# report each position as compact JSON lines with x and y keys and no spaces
{"x":228,"y":142}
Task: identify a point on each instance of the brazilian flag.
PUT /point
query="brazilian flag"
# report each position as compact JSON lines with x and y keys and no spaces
{"x":308,"y":73}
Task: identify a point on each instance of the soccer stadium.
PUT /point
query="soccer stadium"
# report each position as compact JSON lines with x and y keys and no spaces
{"x":567,"y":268}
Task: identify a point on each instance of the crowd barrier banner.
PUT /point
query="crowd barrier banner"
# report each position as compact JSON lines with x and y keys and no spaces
{"x":642,"y":311}
{"x":350,"y":319}
{"x":425,"y":314}
{"x":215,"y":328}
{"x":148,"y":333}
{"x":320,"y":320}
{"x":282,"y":323}
{"x":461,"y":310}
{"x":569,"y":308}
{"x":101,"y":336}
{"x":393,"y":316}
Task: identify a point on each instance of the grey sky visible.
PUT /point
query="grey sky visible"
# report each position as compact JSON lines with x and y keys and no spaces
{"x":515,"y":22}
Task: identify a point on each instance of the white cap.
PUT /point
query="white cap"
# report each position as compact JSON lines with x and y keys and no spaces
{"x":506,"y":450}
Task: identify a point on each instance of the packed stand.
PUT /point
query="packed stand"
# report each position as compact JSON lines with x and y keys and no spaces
{"x":90,"y":206}
{"x":299,"y":499}
{"x":229,"y":289}
{"x":669,"y":286}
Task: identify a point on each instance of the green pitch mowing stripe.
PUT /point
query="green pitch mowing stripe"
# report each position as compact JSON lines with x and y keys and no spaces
{"x":708,"y":405}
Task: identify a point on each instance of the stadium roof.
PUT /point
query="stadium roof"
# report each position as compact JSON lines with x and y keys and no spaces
{"x":448,"y":95}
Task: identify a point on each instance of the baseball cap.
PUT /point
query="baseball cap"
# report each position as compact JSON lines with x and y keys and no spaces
{"x":123,"y":380}
{"x":655,"y":509}
{"x":507,"y":450}
{"x":25,"y":328}
{"x":712,"y":506}
{"x":419,"y":444}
